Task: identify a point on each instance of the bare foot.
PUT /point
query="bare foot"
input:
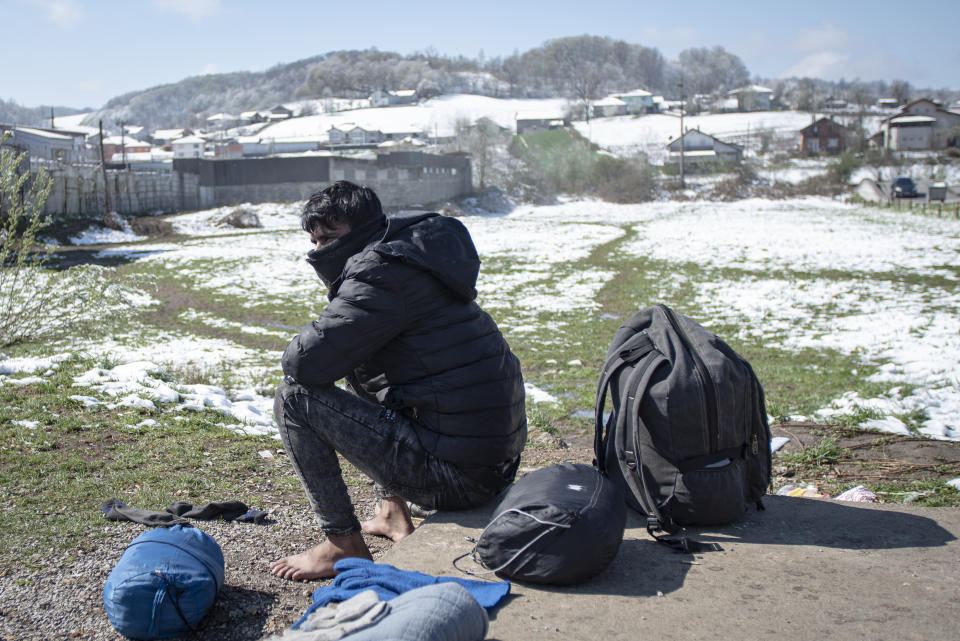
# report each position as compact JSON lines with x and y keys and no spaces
{"x":317,"y":562}
{"x":392,"y":521}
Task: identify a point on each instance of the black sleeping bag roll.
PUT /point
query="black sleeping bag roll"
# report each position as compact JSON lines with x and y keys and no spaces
{"x":561,"y":524}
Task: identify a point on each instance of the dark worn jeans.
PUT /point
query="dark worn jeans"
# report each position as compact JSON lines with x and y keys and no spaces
{"x":318,"y":422}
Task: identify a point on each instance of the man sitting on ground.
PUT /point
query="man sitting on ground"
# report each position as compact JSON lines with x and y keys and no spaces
{"x":435,"y":412}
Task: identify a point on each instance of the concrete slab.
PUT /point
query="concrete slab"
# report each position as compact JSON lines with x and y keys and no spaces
{"x":803,"y":569}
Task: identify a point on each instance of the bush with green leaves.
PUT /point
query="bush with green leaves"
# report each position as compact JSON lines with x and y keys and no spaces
{"x":841,"y":169}
{"x":38,"y":303}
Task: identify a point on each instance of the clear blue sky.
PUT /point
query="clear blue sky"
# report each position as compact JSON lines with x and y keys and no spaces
{"x":83,"y":52}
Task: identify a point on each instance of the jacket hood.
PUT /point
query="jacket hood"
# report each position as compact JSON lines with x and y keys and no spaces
{"x":437,"y":244}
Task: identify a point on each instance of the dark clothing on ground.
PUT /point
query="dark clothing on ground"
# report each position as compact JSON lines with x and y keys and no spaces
{"x":435,"y":377}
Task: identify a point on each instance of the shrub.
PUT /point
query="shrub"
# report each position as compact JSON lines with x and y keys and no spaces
{"x":618,"y":180}
{"x":843,"y":167}
{"x":35,"y":302}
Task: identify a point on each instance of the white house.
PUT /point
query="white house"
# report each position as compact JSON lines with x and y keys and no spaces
{"x":351,"y":134}
{"x":222,"y":120}
{"x":188,"y":147}
{"x":638,"y":101}
{"x":381,"y":98}
{"x":920,"y":125}
{"x":699,"y":147}
{"x":166,"y":136}
{"x":609,"y":106}
{"x":752,"y":98}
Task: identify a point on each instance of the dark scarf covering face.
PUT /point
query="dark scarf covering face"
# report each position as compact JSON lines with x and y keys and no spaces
{"x":330,"y":261}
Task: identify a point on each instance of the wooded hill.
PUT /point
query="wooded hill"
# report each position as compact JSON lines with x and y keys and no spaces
{"x":581,"y":68}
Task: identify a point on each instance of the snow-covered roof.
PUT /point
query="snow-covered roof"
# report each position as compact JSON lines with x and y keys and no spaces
{"x":246,"y":115}
{"x":609,"y":101}
{"x":404,"y":93}
{"x":912,"y":120}
{"x":409,"y":141}
{"x":126,"y":141}
{"x":221,"y":116}
{"x":189,"y":140}
{"x":168,"y":134}
{"x":639,"y":93}
{"x":42,"y":133}
{"x":750,"y":89}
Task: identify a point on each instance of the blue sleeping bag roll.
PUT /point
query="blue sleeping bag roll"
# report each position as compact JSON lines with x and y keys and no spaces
{"x":164,"y":583}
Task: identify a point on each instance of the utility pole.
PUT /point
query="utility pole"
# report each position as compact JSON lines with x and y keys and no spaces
{"x":52,"y":126}
{"x":103,"y":170}
{"x":682,"y":182}
{"x":123,"y":143}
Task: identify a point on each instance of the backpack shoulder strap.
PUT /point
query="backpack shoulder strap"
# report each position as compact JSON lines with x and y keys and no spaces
{"x":626,"y":443}
{"x":632,"y":350}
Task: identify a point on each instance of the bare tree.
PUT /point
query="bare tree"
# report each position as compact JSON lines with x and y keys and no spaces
{"x":481,"y":141}
{"x":901,"y":90}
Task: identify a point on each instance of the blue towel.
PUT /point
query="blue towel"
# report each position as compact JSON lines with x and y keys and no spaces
{"x":356,"y":575}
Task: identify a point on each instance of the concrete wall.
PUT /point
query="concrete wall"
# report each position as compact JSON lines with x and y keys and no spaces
{"x":78,"y":190}
{"x":401,"y":179}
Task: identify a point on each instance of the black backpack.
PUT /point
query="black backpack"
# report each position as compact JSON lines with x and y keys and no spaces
{"x":561,"y":524}
{"x":687,"y":436}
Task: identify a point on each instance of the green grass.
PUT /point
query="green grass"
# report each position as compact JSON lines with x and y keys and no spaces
{"x":54,"y":477}
{"x":823,"y":454}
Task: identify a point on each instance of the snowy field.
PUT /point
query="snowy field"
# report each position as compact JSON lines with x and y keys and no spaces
{"x":798,"y":275}
{"x":630,"y":135}
{"x":435,"y":117}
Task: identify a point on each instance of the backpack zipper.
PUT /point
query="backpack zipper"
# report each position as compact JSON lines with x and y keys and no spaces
{"x":713,"y":427}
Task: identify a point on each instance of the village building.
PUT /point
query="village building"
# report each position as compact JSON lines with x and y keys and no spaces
{"x":531,"y":122}
{"x":921,"y":125}
{"x":138,"y":132}
{"x":351,"y":134}
{"x":278,"y":112}
{"x":163,"y":137}
{"x":251,"y":117}
{"x":383,"y":98}
{"x":700,"y":148}
{"x":188,"y":147}
{"x":43,"y":144}
{"x":222,"y":120}
{"x":230,"y":149}
{"x":400,"y":132}
{"x":823,"y":136}
{"x":121,"y":149}
{"x":257,"y":146}
{"x":752,"y":98}
{"x":609,"y":106}
{"x":638,"y":101}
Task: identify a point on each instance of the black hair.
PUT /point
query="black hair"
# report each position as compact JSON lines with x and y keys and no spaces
{"x":343,"y":201}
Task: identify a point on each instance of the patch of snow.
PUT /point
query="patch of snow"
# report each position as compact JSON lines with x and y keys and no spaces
{"x":21,"y":382}
{"x":29,"y":365}
{"x":537,"y":395}
{"x":103,"y":235}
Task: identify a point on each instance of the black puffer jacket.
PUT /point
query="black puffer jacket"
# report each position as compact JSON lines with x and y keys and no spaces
{"x":403,"y":328}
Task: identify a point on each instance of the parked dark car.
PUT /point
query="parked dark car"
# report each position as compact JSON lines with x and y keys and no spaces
{"x":903,"y":187}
